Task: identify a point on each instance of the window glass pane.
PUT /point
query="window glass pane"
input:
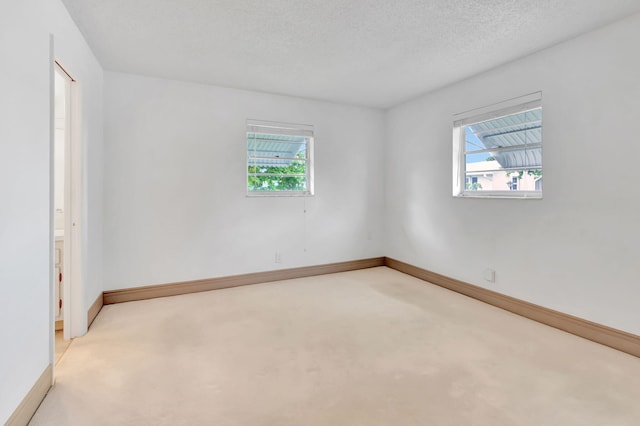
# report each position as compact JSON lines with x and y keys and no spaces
{"x":278,"y":158}
{"x":518,"y":157}
{"x":515,"y":129}
{"x":503,"y":153}
{"x":523,"y":164}
{"x":516,"y":180}
{"x":264,"y":183}
{"x":288,"y":165}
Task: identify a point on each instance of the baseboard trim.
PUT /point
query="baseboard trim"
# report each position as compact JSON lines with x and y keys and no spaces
{"x":59,"y":325}
{"x":617,"y":339}
{"x":27,"y":408}
{"x":185,"y":287}
{"x":94,"y":309}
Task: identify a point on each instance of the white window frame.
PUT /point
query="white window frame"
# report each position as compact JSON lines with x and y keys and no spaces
{"x":286,"y":129}
{"x":461,"y":120}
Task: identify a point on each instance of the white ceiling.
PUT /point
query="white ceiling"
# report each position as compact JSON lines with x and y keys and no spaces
{"x":366,"y":52}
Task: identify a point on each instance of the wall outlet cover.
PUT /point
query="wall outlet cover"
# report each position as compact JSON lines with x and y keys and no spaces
{"x":489,"y":275}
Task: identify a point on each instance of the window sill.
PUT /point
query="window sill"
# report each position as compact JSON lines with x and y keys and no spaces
{"x":532,"y":195}
{"x":278,"y":194}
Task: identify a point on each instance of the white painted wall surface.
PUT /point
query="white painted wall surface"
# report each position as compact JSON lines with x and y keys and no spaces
{"x":25,"y":216}
{"x":577,"y":249}
{"x":175,"y":192}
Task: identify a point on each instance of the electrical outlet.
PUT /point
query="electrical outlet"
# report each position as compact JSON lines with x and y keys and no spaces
{"x":489,"y":275}
{"x":278,"y":257}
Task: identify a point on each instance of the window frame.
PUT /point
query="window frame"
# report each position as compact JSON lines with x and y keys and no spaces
{"x":284,"y":129}
{"x":462,"y":120}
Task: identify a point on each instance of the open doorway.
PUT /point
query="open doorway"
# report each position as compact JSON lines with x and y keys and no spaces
{"x":64,"y":205}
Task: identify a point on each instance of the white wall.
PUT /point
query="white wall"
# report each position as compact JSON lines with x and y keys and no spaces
{"x":26,"y":216}
{"x":175,"y":194}
{"x":577,"y":249}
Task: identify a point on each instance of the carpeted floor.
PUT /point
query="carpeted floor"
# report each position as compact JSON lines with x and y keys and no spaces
{"x":369,"y":347}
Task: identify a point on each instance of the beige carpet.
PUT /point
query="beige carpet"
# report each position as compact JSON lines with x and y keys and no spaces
{"x":370,"y":347}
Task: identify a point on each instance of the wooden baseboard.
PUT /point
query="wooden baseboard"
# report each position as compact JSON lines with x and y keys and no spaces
{"x":617,"y":339}
{"x":185,"y":287}
{"x":94,"y":309}
{"x":59,"y":325}
{"x":27,"y":408}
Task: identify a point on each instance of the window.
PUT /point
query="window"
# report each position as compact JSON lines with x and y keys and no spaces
{"x":497,"y":150}
{"x":279,"y":158}
{"x":514,"y":184}
{"x":472,"y":184}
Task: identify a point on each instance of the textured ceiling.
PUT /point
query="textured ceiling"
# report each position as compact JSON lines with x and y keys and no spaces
{"x":366,"y":52}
